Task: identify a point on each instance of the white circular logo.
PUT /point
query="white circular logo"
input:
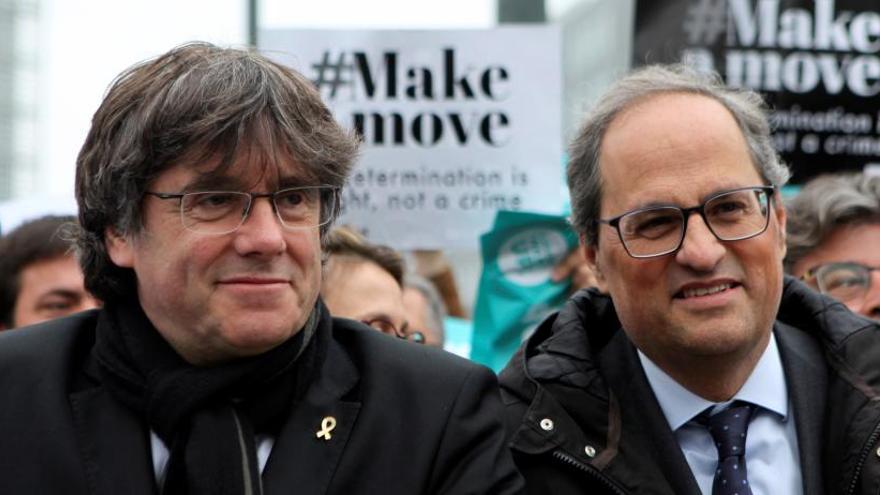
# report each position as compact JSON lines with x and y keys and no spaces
{"x":528,"y":257}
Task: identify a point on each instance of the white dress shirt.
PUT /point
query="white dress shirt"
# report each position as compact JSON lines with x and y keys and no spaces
{"x":160,"y":454}
{"x":771,"y":442}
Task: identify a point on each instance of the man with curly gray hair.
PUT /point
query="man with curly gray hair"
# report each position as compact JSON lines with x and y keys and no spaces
{"x":205,"y":187}
{"x":700,"y":367}
{"x":834,"y":239}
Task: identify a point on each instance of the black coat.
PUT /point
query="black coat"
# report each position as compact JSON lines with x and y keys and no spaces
{"x":410,"y":420}
{"x":607,"y":434}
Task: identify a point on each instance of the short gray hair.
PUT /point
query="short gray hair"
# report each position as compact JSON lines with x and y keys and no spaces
{"x":584,"y":177}
{"x":195,"y":102}
{"x":826,"y":203}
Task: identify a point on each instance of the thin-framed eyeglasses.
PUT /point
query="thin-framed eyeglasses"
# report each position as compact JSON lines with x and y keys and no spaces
{"x":386,"y":326}
{"x":222,"y":212}
{"x":732,"y":215}
{"x":844,"y":281}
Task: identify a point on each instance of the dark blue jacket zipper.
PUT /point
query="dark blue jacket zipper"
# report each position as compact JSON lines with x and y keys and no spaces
{"x":571,"y":461}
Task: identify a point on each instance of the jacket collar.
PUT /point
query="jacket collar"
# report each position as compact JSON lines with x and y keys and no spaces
{"x":565,"y":354}
{"x":304,"y":449}
{"x":564,"y":348}
{"x":121,"y":463}
{"x":560,"y":355}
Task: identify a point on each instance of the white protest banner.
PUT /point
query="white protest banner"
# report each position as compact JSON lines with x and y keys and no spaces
{"x":456,"y":125}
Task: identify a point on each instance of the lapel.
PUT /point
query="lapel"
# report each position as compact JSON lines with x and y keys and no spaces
{"x":639,"y":406}
{"x":302,"y":461}
{"x":114,"y":444}
{"x":807,"y":381}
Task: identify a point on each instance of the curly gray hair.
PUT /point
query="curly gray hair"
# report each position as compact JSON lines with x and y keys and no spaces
{"x":826,"y":203}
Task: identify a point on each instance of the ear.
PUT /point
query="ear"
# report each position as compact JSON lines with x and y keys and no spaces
{"x":119,"y":248}
{"x":591,"y":254}
{"x":780,"y":221}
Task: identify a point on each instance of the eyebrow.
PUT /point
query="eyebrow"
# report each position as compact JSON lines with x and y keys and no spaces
{"x":702,"y":200}
{"x":66,"y":293}
{"x":210,"y":182}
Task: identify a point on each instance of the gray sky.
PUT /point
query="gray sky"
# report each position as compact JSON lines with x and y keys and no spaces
{"x":88,"y":42}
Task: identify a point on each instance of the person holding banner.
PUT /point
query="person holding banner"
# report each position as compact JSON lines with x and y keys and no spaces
{"x":833,"y":236}
{"x":704,"y":369}
{"x":205,"y":187}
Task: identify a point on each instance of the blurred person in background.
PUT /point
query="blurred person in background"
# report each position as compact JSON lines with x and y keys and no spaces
{"x":834,"y":239}
{"x":40,"y":278}
{"x":364,"y":282}
{"x":435,"y":266}
{"x":206,"y":186}
{"x":424,"y":309}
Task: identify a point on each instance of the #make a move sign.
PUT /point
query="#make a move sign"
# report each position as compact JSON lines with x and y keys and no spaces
{"x":456,"y":125}
{"x":816,"y":62}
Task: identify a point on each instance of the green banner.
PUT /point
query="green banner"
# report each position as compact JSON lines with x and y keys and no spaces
{"x":515,"y":291}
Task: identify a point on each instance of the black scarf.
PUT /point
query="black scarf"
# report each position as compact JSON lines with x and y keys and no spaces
{"x":208,"y":416}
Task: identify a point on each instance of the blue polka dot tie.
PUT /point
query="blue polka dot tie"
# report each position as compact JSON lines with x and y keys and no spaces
{"x":728,"y":429}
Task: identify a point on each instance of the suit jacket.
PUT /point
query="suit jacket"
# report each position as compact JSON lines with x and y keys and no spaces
{"x":409,"y":420}
{"x":609,"y":434}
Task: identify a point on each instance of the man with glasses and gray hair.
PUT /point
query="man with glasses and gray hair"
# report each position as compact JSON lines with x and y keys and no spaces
{"x":834,"y":239}
{"x":206,"y":185}
{"x":699,"y":367}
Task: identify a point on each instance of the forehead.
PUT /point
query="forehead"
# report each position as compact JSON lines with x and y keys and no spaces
{"x":359,"y":287}
{"x":251,"y":167}
{"x":674,"y":148}
{"x":48,"y":273}
{"x":355,"y":269}
{"x":853,"y":242}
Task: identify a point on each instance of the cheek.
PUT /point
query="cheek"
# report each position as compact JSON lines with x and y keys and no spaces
{"x":305,"y":248}
{"x":171,"y":267}
{"x":766,"y":257}
{"x":305,"y":253}
{"x":201,"y":253}
{"x":625,"y":275}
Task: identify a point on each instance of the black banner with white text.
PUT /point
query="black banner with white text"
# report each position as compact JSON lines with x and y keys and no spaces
{"x":816,"y":62}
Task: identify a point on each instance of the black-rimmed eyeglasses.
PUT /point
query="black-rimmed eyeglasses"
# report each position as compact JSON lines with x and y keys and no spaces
{"x":844,"y":281}
{"x":659,"y":230}
{"x":222,"y":212}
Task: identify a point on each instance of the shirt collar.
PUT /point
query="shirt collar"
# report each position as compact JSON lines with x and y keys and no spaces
{"x":765,"y":388}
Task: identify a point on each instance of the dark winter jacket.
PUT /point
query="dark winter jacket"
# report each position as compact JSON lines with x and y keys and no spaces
{"x":583,"y":418}
{"x":410,"y":420}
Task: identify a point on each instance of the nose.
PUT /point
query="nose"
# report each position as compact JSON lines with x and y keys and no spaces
{"x":261,"y":234}
{"x":870,"y":306}
{"x":700,"y":250}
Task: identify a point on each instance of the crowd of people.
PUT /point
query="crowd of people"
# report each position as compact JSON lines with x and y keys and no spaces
{"x":220,"y":335}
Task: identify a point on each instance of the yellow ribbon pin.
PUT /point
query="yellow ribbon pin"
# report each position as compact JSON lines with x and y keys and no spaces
{"x":327,"y":425}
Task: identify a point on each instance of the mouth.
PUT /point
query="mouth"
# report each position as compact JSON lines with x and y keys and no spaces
{"x":703,"y":290}
{"x":255,"y":281}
